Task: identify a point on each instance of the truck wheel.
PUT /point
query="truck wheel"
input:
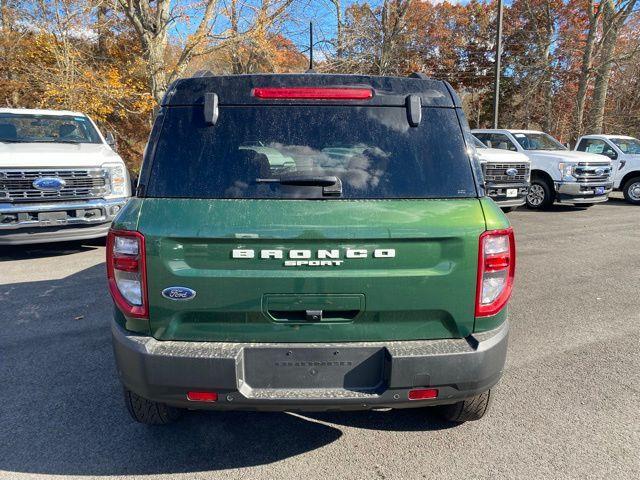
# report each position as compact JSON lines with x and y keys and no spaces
{"x":149,"y":412}
{"x":631,"y":190}
{"x":508,"y":209}
{"x":540,"y":194}
{"x":467,"y":410}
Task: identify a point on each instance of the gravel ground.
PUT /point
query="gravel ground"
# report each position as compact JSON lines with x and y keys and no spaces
{"x":567,"y":407}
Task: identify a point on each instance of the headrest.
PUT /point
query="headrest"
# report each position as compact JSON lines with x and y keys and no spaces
{"x":66,"y":129}
{"x":8,"y":131}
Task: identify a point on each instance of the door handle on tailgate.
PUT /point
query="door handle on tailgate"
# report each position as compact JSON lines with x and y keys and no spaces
{"x":313,"y":308}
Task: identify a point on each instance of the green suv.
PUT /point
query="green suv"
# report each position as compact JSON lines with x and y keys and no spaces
{"x":310,"y":242}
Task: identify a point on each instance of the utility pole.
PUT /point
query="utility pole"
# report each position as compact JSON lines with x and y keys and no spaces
{"x":496,"y":88}
{"x":310,"y":46}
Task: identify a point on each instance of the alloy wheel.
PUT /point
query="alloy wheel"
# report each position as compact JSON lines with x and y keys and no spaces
{"x":535,"y":197}
{"x":634,"y":191}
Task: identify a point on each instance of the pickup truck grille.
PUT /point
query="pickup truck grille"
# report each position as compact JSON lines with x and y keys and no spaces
{"x":592,"y":172}
{"x":18,"y":185}
{"x":497,"y":172}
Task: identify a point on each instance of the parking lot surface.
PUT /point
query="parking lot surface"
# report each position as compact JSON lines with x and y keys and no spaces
{"x":567,"y":407}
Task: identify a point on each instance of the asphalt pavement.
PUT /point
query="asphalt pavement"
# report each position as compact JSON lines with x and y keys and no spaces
{"x":568,"y":406}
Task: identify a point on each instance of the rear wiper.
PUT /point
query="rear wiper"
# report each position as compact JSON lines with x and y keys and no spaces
{"x":303,"y":181}
{"x":331,"y":186}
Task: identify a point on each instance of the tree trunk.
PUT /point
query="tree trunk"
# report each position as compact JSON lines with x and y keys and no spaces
{"x":547,"y":85}
{"x":101,"y":30}
{"x":156,"y":69}
{"x":610,"y":37}
{"x":585,"y":75}
{"x":339,"y":46}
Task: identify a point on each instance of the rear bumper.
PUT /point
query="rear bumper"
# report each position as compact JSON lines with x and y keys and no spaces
{"x":580,"y":192}
{"x":164,"y":371}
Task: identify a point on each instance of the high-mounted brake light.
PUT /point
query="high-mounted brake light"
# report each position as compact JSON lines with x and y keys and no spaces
{"x":127,"y":272}
{"x":313,"y":93}
{"x":496,"y":271}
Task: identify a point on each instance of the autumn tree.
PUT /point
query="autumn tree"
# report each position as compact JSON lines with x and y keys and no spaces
{"x":152,"y":21}
{"x":614,"y":16}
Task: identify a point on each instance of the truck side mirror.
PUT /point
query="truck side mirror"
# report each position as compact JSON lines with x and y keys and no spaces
{"x":111,"y":140}
{"x":611,"y":154}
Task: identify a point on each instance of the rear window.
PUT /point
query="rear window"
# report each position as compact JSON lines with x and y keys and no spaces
{"x":285,"y":151}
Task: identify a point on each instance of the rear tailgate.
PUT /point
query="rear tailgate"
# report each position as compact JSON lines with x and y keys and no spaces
{"x":417,"y":279}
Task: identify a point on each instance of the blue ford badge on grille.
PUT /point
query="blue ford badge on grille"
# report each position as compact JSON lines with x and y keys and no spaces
{"x":51,"y":184}
{"x":512,"y":172}
{"x":178,"y":293}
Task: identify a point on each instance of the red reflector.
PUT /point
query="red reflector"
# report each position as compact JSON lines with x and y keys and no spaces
{"x":496,"y":262}
{"x":202,"y":396}
{"x":423,"y":393}
{"x":310,"y":93}
{"x":125,"y":264}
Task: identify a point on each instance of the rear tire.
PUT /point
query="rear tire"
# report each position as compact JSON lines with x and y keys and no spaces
{"x":540,"y":195}
{"x":467,"y":410}
{"x":149,"y":412}
{"x":631,"y":191}
{"x":508,"y":209}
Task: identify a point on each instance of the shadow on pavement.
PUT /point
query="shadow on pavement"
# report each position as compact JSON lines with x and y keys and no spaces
{"x":24,"y":252}
{"x":404,"y":420}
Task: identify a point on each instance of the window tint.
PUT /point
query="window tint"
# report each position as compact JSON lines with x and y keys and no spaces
{"x":30,"y":128}
{"x":594,"y":145}
{"x":538,"y":141}
{"x":478,"y":143}
{"x":496,"y":140}
{"x":299,"y":151}
{"x":627,"y":145}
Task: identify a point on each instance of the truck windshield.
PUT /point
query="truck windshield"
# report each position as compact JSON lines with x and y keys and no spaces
{"x":478,"y":143}
{"x":311,"y":152}
{"x":30,"y":128}
{"x":538,"y":141}
{"x":630,"y":146}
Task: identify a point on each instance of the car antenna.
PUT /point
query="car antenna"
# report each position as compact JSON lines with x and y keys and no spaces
{"x":310,"y":48}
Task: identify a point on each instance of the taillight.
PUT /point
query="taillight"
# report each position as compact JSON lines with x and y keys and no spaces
{"x":127,"y":272}
{"x":313,"y":93}
{"x":496,"y":269}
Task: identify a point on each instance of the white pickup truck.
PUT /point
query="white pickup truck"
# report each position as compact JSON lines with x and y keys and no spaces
{"x":624,"y":153}
{"x":506,"y":175}
{"x":557,"y":174}
{"x":59,"y":177}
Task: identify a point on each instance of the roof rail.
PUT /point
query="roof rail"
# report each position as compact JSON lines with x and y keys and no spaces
{"x":202,"y":73}
{"x":420,"y":75}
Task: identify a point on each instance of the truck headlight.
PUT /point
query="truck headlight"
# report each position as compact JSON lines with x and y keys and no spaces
{"x":118,"y":179}
{"x":566,"y":171}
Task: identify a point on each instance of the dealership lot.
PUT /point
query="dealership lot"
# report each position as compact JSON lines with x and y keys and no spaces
{"x":567,"y":406}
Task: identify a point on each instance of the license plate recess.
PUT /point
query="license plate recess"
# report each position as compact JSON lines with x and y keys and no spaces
{"x":295,"y":368}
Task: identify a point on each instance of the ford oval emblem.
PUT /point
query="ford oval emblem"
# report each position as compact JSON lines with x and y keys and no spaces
{"x":50,"y":184}
{"x":512,"y":172}
{"x":600,"y":172}
{"x":178,"y":293}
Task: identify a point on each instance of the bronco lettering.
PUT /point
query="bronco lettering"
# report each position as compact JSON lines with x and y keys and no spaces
{"x":300,"y":258}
